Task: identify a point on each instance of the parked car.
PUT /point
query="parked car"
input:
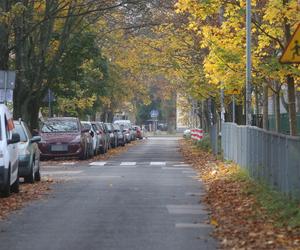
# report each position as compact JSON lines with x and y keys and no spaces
{"x":29,"y":153}
{"x":112,"y":134}
{"x":90,"y":142}
{"x":101,"y":137}
{"x":139,"y":132}
{"x":63,"y":137}
{"x":96,"y":136}
{"x":126,"y":127}
{"x":120,"y":135}
{"x":105,"y":136}
{"x":9,"y":161}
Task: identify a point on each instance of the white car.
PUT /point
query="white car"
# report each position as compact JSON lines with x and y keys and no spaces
{"x":9,"y":169}
{"x":94,"y":135}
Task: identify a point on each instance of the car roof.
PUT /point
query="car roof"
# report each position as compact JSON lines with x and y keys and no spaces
{"x":62,"y":118}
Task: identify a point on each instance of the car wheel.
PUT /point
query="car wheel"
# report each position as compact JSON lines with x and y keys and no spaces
{"x":30,"y":178}
{"x":6,"y":188}
{"x":37,"y":175}
{"x":16,"y":186}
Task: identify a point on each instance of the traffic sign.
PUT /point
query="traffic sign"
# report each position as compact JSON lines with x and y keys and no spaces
{"x":291,"y":53}
{"x":154,"y":113}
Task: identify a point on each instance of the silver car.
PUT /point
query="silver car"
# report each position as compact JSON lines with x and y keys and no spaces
{"x":29,"y":153}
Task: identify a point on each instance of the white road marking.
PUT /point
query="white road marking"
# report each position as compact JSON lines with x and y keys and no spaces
{"x":60,"y":172}
{"x":128,"y":164}
{"x":68,"y":163}
{"x":98,"y":163}
{"x":158,"y":163}
{"x":186,"y":209}
{"x":182,"y":165}
{"x":192,"y":225}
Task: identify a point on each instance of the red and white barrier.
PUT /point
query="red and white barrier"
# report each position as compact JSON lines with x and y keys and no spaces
{"x":197,"y":134}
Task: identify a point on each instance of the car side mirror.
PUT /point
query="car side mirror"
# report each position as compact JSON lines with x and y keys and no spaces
{"x":15,"y":138}
{"x":35,"y":132}
{"x":35,"y":139}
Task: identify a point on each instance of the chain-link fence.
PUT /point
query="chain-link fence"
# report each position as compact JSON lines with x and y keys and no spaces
{"x":268,"y":157}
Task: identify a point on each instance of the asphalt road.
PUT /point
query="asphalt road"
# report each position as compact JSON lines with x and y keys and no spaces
{"x":146,"y":198}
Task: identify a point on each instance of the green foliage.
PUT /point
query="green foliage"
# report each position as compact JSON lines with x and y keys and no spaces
{"x":284,"y":211}
{"x":204,"y":143}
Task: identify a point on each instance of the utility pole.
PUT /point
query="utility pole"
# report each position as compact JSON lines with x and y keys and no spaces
{"x":248,"y":64}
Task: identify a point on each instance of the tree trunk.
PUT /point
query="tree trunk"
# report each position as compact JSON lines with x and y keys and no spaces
{"x":4,"y":38}
{"x":298,"y":101}
{"x":292,"y":105}
{"x":290,"y":82}
{"x":265,"y":107}
{"x":257,"y":106}
{"x":277,"y":111}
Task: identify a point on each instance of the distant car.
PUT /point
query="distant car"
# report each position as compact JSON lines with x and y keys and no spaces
{"x":112,"y":134}
{"x":63,"y":137}
{"x":9,"y":169}
{"x":29,"y":153}
{"x":126,"y":127}
{"x":187,"y":133}
{"x":120,"y":135}
{"x":139,"y":132}
{"x":126,"y":132}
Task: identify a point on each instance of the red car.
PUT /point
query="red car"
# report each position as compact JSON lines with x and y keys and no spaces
{"x":139,"y":132}
{"x":63,"y":137}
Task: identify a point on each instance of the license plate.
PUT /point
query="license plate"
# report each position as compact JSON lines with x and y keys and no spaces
{"x":58,"y":148}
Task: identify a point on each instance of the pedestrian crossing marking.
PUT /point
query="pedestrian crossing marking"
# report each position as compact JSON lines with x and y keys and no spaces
{"x":128,"y":164}
{"x":182,"y":165}
{"x":157,"y":163}
{"x":98,"y":163}
{"x":68,"y":163}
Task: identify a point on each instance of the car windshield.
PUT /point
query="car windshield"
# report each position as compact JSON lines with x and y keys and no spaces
{"x":123,"y":125}
{"x":117,"y":127}
{"x":87,"y":126}
{"x":56,"y":126}
{"x":21,"y":132}
{"x":109,"y":127}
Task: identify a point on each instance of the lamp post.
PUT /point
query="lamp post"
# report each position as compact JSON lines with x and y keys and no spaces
{"x":248,"y":64}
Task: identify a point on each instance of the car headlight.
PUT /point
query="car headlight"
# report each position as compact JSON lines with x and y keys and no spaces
{"x":26,"y":152}
{"x":77,"y":139}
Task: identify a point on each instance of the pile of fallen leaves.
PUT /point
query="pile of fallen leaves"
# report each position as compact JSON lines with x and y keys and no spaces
{"x":240,"y":222}
{"x":28,"y":192}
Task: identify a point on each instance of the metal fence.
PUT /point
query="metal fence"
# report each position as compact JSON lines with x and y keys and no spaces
{"x":269,"y":157}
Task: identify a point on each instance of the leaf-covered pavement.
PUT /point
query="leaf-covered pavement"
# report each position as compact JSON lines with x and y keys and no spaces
{"x":39,"y":190}
{"x":28,"y":192}
{"x":240,"y":222}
